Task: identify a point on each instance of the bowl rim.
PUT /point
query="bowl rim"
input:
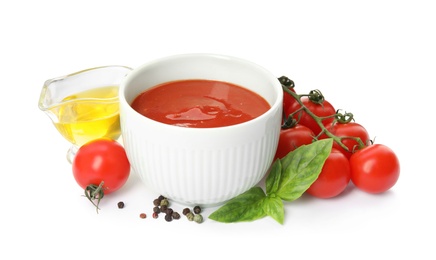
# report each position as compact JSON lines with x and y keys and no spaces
{"x":277,"y":104}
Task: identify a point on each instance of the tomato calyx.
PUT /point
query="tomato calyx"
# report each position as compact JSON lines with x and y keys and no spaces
{"x":317,"y":97}
{"x":345,"y":118}
{"x":287,"y":82}
{"x":95,"y":192}
{"x":289,"y":122}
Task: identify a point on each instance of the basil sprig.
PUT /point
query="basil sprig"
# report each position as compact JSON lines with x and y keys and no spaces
{"x":287,"y":180}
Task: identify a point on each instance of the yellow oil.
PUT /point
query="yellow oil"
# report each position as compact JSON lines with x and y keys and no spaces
{"x":81,"y":120}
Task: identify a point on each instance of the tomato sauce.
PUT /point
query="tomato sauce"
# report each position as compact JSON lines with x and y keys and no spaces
{"x":200,"y":103}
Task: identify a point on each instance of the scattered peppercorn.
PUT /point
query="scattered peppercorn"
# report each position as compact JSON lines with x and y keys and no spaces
{"x":163,"y":208}
{"x":176,"y":215}
{"x":186,"y":211}
{"x":198,"y":218}
{"x":142,"y":215}
{"x":197,"y":210}
{"x":168,"y":217}
{"x":120,"y":205}
{"x":164,"y":202}
{"x":161,"y":205}
{"x":169,"y":211}
{"x":190,"y":216}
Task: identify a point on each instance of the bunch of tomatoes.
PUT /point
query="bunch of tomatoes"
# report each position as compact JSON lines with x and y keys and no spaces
{"x":373,"y":168}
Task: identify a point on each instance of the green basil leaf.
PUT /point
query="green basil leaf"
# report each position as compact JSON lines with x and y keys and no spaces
{"x":301,"y":167}
{"x":244,"y":207}
{"x":273,"y":207}
{"x":273,"y":179}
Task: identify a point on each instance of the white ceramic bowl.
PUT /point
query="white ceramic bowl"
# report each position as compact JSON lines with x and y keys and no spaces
{"x":200,"y":166}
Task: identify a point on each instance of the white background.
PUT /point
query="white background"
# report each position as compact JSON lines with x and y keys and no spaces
{"x":375,"y":59}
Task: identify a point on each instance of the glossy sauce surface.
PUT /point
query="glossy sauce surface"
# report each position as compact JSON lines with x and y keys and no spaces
{"x":200,"y":103}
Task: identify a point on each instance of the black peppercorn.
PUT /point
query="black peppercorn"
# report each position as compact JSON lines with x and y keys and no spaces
{"x":120,"y":205}
{"x":168,"y":217}
{"x":176,"y":215}
{"x":163,"y":208}
{"x":186,"y":211}
{"x":156,"y":209}
{"x":156,"y":202}
{"x":197,"y":210}
{"x":169,"y":211}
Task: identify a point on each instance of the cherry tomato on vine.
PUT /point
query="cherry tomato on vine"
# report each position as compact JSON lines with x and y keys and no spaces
{"x":288,"y":99}
{"x":321,"y":110}
{"x":292,"y":138}
{"x":375,"y":168}
{"x":101,"y":167}
{"x":334,"y":177}
{"x":350,"y":129}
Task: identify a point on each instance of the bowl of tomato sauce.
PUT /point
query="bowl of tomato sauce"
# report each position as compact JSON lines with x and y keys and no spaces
{"x":200,"y":128}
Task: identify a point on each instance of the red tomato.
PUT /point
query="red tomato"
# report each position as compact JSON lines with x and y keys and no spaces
{"x":320,"y":110}
{"x":351,"y":129}
{"x":292,"y":138}
{"x":101,"y":160}
{"x":288,"y":99}
{"x":334,"y":177}
{"x":375,"y":168}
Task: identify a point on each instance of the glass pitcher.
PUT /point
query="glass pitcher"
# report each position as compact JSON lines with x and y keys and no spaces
{"x":84,"y":105}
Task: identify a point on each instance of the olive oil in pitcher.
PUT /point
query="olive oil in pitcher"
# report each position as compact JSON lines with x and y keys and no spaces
{"x":84,"y":105}
{"x":89,"y":115}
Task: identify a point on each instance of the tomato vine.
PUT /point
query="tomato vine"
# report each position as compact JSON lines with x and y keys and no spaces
{"x":317,"y":97}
